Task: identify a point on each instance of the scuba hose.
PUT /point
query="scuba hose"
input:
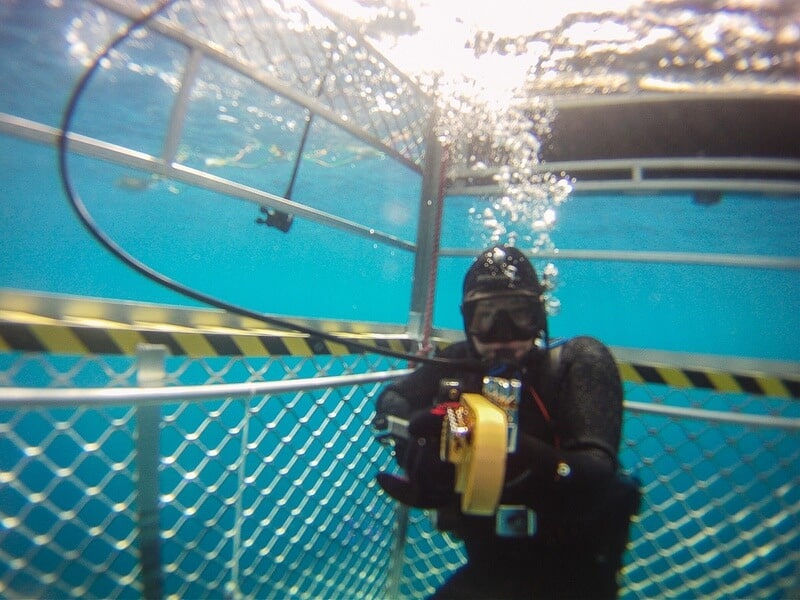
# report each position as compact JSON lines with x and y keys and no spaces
{"x":85,"y":217}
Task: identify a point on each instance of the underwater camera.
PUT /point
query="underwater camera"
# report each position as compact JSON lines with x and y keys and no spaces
{"x":477,"y":434}
{"x":277,"y":219}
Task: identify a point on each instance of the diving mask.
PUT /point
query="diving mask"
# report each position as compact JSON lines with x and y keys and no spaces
{"x":503,"y":318}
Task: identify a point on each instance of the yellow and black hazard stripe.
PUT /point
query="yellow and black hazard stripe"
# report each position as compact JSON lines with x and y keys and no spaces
{"x":66,"y":339}
{"x":714,"y":380}
{"x":62,"y":338}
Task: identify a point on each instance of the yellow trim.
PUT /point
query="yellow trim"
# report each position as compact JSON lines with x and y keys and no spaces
{"x":396,"y":345}
{"x":629,"y":373}
{"x":58,"y":339}
{"x":336,"y":348}
{"x":772,"y":387}
{"x":674,"y":377}
{"x":194,"y":345}
{"x":723,"y":382}
{"x":126,"y":339}
{"x":249,"y":345}
{"x":297,"y":346}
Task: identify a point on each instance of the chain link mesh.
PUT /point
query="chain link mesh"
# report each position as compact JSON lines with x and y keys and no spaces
{"x":274,"y":496}
{"x":300,"y":52}
{"x":269,"y":496}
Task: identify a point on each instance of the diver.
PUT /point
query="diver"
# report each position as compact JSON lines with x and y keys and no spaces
{"x":561,"y":527}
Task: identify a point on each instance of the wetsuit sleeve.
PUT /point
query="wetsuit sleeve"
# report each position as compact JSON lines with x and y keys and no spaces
{"x":588,"y":415}
{"x":589,"y":399}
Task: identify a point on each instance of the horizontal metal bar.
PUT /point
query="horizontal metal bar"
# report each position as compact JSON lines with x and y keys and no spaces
{"x":789,"y":165}
{"x":38,"y":132}
{"x":652,"y":180}
{"x":22,"y":397}
{"x":647,"y":91}
{"x":655,"y":184}
{"x":97,"y":312}
{"x":611,"y":186}
{"x":714,"y":415}
{"x":260,"y":197}
{"x":684,"y":258}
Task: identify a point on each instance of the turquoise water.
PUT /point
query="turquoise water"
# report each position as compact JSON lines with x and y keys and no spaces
{"x":210,"y":241}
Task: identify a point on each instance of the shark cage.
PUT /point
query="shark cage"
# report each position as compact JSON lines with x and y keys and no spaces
{"x":154,"y":451}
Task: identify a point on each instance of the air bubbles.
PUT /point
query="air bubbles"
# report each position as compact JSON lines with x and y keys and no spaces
{"x":546,"y":222}
{"x":788,"y":34}
{"x":714,"y":55}
{"x":550,"y":276}
{"x":552,"y":306}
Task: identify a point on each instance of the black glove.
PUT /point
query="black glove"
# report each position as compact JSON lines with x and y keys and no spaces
{"x":430,"y":480}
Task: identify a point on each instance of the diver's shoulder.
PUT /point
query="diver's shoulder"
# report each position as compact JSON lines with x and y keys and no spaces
{"x":582,"y":347}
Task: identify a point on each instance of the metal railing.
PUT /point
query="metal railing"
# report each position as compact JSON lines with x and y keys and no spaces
{"x":252,"y":476}
{"x":264,"y":488}
{"x":146,"y":493}
{"x":655,"y":175}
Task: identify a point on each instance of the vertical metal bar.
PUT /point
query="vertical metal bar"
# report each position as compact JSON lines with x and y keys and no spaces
{"x":150,"y":373}
{"x":178,"y":114}
{"x":398,"y":552}
{"x":232,"y":591}
{"x":427,"y":233}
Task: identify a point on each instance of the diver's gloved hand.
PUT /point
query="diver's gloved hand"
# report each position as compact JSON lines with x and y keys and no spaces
{"x":429,"y":480}
{"x":389,"y":403}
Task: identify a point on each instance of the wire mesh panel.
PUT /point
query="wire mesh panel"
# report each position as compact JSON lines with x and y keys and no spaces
{"x":274,"y":496}
{"x":721,"y":500}
{"x":67,"y":486}
{"x":296,"y":50}
{"x":267,"y":497}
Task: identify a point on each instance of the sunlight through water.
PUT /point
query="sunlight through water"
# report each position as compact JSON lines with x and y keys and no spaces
{"x":493,"y":71}
{"x":494,"y":67}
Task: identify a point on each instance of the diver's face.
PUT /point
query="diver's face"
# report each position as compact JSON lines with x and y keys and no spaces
{"x":512,"y":350}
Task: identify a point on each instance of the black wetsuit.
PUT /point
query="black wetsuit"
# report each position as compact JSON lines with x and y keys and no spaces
{"x":582,"y":516}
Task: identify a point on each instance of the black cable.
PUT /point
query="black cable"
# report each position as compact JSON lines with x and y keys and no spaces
{"x":85,"y":217}
{"x":276,"y":218}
